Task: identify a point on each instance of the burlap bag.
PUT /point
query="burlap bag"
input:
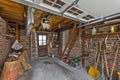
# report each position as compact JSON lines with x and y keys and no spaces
{"x":25,"y":55}
{"x":12,"y":70}
{"x":24,"y":61}
{"x":26,"y":65}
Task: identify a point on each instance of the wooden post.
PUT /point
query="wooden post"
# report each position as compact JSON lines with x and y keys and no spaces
{"x":83,"y":58}
{"x":114,"y":62}
{"x":77,"y":35}
{"x":17,"y":32}
{"x":70,"y":37}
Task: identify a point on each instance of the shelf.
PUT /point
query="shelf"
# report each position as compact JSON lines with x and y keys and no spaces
{"x":101,"y":34}
{"x":12,"y":32}
{"x":12,"y":27}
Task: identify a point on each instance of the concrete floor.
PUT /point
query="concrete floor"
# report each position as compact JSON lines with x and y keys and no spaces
{"x":54,"y":69}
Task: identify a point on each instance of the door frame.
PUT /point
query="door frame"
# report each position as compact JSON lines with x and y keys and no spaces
{"x":42,"y":33}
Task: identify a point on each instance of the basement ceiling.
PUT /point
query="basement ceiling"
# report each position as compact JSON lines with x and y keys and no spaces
{"x":15,"y":12}
{"x":84,"y":10}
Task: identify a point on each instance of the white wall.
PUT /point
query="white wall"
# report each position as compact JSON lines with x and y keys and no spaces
{"x":65,"y":35}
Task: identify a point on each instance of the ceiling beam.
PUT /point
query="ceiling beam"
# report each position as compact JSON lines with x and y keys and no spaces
{"x":43,"y":15}
{"x":64,"y":28}
{"x":66,"y":25}
{"x":20,"y":22}
{"x":57,"y":24}
{"x":32,"y":4}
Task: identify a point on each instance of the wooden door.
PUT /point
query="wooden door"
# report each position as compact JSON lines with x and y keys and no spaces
{"x":42,"y":44}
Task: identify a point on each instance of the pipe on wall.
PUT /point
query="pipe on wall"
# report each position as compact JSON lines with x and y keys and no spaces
{"x":100,"y":19}
{"x":30,"y":19}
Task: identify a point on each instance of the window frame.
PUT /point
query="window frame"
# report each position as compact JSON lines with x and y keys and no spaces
{"x":42,"y":40}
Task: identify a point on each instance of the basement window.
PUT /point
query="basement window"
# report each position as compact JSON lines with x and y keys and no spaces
{"x":54,"y":3}
{"x":75,"y":11}
{"x":42,"y":40}
{"x":59,"y":2}
{"x":88,"y":17}
{"x":47,"y":2}
{"x":56,"y":6}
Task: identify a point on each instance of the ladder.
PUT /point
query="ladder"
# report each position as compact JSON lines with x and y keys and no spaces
{"x":34,"y":46}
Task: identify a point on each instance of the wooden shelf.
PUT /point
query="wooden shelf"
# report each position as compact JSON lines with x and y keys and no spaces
{"x":12,"y":32}
{"x":101,"y":34}
{"x":14,"y":25}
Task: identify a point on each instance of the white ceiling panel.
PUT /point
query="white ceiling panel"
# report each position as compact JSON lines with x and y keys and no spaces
{"x":100,"y":8}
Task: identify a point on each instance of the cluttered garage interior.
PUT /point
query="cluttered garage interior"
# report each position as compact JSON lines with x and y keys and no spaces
{"x":59,"y":39}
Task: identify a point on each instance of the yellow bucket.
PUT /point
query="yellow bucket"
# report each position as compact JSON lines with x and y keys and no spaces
{"x":118,"y":73}
{"x":94,"y":72}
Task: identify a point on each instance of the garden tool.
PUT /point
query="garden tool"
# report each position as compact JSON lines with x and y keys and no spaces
{"x":93,"y":70}
{"x":118,"y":37}
{"x":109,"y":75}
{"x":114,"y":62}
{"x":103,"y":76}
{"x":105,"y":58}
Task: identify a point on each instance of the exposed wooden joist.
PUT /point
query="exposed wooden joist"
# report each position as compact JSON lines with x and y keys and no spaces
{"x":42,"y":15}
{"x":12,"y":11}
{"x":64,"y":28}
{"x":14,"y":20}
{"x":64,"y":25}
{"x":57,"y":24}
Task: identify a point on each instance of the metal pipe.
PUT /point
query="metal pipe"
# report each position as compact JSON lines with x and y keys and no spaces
{"x":100,"y":19}
{"x":30,"y":19}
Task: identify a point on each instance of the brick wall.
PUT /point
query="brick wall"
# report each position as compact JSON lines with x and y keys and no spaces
{"x":4,"y":41}
{"x":90,"y":61}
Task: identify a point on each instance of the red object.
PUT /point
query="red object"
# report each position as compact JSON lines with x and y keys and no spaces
{"x":86,"y":39}
{"x":67,"y":60}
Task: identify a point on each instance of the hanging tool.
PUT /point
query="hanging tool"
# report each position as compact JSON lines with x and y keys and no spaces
{"x":93,"y":70}
{"x":100,"y":51}
{"x":114,"y":62}
{"x":105,"y":57}
{"x":102,"y":76}
{"x":109,"y":74}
